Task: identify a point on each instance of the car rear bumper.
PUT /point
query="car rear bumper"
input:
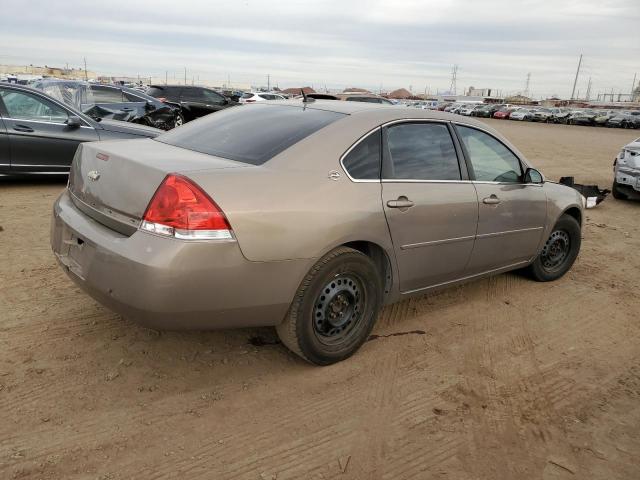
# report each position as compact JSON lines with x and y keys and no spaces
{"x":166,"y":283}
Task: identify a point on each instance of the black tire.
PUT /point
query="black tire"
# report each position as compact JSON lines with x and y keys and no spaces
{"x":312,"y":326}
{"x":616,"y":192}
{"x":559,"y":252}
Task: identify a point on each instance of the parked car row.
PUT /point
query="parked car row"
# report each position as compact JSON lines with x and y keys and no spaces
{"x":569,"y":116}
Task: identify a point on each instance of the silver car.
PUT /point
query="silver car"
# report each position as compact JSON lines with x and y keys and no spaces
{"x":308,"y":216}
{"x":626,"y":172}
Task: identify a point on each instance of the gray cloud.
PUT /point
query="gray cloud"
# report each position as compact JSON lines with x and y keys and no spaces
{"x":389,"y":43}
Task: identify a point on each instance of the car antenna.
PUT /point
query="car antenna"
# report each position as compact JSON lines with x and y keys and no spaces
{"x":306,"y":99}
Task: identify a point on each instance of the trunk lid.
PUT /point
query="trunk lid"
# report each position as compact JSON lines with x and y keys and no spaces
{"x":113,"y":182}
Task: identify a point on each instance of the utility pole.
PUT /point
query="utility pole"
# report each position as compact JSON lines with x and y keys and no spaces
{"x":86,"y":77}
{"x":185,"y":75}
{"x":576,"y":79}
{"x":633,"y":85}
{"x":588,"y":89}
{"x":268,"y":82}
{"x":454,"y":77}
{"x":166,"y":77}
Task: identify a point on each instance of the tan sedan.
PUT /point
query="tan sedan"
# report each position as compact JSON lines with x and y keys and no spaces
{"x":305,"y":216}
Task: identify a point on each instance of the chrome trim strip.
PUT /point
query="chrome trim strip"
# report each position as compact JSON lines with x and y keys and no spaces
{"x":38,"y":166}
{"x":20,"y":120}
{"x":436,"y":242}
{"x":408,"y":180}
{"x":506,"y":267}
{"x":508,"y":232}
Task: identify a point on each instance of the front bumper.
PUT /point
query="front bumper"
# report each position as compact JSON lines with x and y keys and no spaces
{"x":166,"y":283}
{"x":628,"y":177}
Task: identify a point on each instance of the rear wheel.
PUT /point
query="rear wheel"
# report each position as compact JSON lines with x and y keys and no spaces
{"x":616,"y":192}
{"x":559,"y":251}
{"x":334,"y":308}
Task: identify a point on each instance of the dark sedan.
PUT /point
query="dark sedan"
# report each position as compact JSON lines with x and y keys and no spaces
{"x":39,"y":134}
{"x":194,"y":101}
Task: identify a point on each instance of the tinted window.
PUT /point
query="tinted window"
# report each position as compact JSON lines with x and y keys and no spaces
{"x":106,"y":95}
{"x":24,"y":106}
{"x":421,"y":151}
{"x":490,"y":159}
{"x":156,"y":92}
{"x":363,"y":162}
{"x":252,"y":133}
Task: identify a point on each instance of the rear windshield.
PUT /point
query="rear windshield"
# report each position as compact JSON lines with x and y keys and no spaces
{"x":250,"y":133}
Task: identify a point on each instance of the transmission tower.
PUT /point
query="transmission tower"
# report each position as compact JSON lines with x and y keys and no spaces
{"x":588,"y":89}
{"x":526,"y":87}
{"x":454,"y":75}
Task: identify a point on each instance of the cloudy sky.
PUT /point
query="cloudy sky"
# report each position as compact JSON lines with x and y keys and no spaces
{"x":400,"y":43}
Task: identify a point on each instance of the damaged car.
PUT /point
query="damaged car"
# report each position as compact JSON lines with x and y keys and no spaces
{"x":113,"y":102}
{"x":626,"y":172}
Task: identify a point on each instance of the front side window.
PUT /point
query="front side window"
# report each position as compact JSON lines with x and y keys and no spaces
{"x":24,"y":106}
{"x":106,"y":95}
{"x":490,"y":159}
{"x":212,"y":97}
{"x":363,"y":162}
{"x":421,"y":151}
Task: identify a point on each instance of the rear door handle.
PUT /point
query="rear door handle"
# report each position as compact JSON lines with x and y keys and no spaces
{"x":401,"y":203}
{"x":22,"y":128}
{"x":491,"y":200}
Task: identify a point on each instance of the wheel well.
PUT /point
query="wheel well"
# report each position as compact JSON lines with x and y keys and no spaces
{"x":575,"y":213}
{"x":379,"y":256}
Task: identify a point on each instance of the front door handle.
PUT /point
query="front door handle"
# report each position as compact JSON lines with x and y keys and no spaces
{"x":491,"y":200}
{"x":402,"y":203}
{"x":22,"y":128}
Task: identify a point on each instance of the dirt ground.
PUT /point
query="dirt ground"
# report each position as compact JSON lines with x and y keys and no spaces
{"x":499,"y":379}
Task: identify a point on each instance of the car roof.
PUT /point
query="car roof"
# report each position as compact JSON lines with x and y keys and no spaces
{"x":381,"y":112}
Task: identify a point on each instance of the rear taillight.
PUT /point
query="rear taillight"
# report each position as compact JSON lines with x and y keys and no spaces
{"x":162,"y":99}
{"x":181,"y":209}
{"x":249,"y":101}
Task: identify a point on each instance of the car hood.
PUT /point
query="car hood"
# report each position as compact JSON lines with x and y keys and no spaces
{"x":130,"y":128}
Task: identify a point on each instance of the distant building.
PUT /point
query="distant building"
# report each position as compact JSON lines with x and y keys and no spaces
{"x":30,"y":72}
{"x":481,"y":92}
{"x":400,"y":94}
{"x":519,"y":100}
{"x":297,"y":90}
{"x":355,"y":90}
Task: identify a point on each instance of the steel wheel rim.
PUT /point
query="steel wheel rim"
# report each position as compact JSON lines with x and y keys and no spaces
{"x":339,"y":309}
{"x":556,"y":250}
{"x":178,"y":121}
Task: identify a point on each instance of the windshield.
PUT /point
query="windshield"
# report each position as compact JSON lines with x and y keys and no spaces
{"x":251,"y":134}
{"x":74,"y":93}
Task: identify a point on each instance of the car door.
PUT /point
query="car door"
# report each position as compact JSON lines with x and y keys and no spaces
{"x":39,"y":138}
{"x":110,"y":102}
{"x":5,"y":151}
{"x":512,"y":214}
{"x":430,"y":205}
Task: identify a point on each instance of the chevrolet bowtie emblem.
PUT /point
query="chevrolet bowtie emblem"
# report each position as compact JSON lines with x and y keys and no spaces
{"x":93,"y":175}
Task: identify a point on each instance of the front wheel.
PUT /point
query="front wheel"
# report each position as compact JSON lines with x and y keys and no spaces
{"x":334,"y":308}
{"x":559,"y":251}
{"x":178,"y":121}
{"x":616,"y":192}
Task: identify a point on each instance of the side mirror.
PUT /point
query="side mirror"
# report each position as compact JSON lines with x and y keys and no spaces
{"x":73,"y":122}
{"x":533,"y":176}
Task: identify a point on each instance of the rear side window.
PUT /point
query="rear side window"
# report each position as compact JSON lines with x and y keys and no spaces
{"x":421,"y":151}
{"x":251,"y":134}
{"x":106,"y":95}
{"x":363,"y":161}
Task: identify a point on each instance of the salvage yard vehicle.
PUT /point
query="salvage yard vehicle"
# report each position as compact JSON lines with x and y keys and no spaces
{"x":113,"y":102}
{"x":541,"y":115}
{"x":40,"y":134}
{"x":625,"y":119}
{"x":194,"y":101}
{"x":504,"y":113}
{"x":252,"y":97}
{"x":626,"y":171}
{"x":521,"y":114}
{"x":324,"y":213}
{"x":582,"y":117}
